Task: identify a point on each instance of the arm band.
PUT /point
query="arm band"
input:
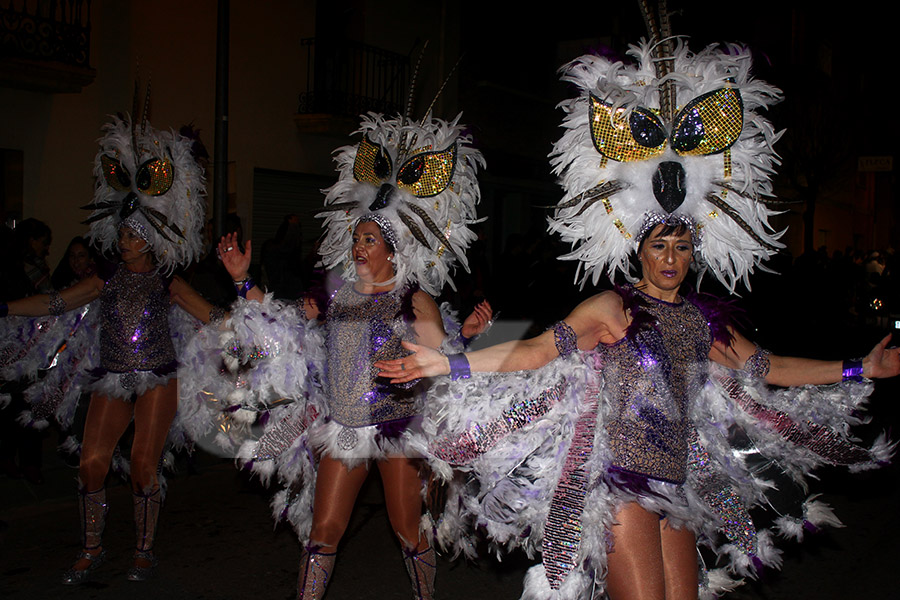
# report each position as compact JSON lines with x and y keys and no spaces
{"x":56,"y":306}
{"x":852,"y":370}
{"x":459,"y":366}
{"x":216,"y":314}
{"x":758,"y":364}
{"x":4,"y":309}
{"x":243,"y":286}
{"x":565,"y":338}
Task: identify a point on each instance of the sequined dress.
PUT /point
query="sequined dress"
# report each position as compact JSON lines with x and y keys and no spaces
{"x":366,"y":415}
{"x":136,"y":349}
{"x":551,"y":454}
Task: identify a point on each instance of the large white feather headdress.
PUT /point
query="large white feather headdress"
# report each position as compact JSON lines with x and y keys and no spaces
{"x":421,"y":177}
{"x":703,"y":157}
{"x":148,"y":180}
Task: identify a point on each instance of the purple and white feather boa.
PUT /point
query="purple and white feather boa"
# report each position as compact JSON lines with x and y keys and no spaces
{"x":510,"y":482}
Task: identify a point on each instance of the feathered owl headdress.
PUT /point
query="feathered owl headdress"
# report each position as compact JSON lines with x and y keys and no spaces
{"x":148,"y":180}
{"x":420,"y":176}
{"x":675,"y":137}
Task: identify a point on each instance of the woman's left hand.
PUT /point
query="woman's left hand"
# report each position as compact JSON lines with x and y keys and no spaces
{"x":477,"y":322}
{"x":423,"y":362}
{"x":882,"y":361}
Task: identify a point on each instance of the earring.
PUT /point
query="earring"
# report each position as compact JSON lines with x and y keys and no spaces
{"x":390,"y":259}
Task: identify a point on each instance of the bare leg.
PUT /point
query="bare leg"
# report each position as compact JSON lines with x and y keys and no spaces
{"x":649,"y":559}
{"x":336,"y":491}
{"x":107,"y":419}
{"x":636,"y":561}
{"x":679,"y":547}
{"x":403,"y":496}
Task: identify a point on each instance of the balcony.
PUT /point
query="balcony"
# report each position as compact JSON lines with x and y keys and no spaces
{"x":346,"y":79}
{"x":45,"y":45}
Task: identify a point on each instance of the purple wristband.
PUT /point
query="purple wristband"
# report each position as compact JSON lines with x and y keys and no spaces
{"x":852,"y":370}
{"x":4,"y":309}
{"x":459,"y":366}
{"x":244,"y":286}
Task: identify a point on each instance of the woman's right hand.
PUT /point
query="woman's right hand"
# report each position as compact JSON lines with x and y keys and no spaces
{"x":237,"y":263}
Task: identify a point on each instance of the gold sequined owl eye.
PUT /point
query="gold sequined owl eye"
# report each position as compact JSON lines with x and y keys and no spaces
{"x":372,"y":164}
{"x":709,"y":124}
{"x":429,"y":173}
{"x":638,"y":136}
{"x":115,"y":174}
{"x":155,"y":177}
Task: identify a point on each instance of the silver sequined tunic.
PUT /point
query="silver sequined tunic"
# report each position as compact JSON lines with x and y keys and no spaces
{"x":650,"y":378}
{"x":134,"y":331}
{"x":361,"y":329}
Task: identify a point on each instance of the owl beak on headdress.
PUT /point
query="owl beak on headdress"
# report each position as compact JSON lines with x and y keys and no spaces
{"x":129,"y":204}
{"x":669,"y":185}
{"x":382,"y":198}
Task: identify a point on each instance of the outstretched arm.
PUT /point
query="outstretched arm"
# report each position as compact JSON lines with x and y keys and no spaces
{"x":83,"y":292}
{"x":237,"y":264}
{"x":193,"y":303}
{"x":591,"y":322}
{"x":788,"y":370}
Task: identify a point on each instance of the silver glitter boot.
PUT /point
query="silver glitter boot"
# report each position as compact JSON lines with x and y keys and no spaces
{"x":315,"y":570}
{"x":146,"y":517}
{"x":92,"y":508}
{"x":421,"y":567}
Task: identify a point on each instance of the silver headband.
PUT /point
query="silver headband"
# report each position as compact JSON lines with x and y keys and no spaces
{"x":137,"y":227}
{"x":673,"y":220}
{"x":387,"y":231}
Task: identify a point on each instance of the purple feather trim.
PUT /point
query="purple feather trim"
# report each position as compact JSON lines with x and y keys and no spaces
{"x":720,"y":314}
{"x":627,"y":481}
{"x":634,"y":304}
{"x":406,"y":304}
{"x":393,"y":429}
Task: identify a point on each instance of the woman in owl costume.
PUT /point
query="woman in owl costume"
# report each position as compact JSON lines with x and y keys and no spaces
{"x":114,"y":334}
{"x":642,"y":426}
{"x":396,"y":223}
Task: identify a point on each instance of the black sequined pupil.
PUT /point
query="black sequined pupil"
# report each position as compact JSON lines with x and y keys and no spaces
{"x":382,"y":167}
{"x":122,"y":176}
{"x":646,"y":129}
{"x":689,"y":132}
{"x":143,"y":179}
{"x":412,"y":171}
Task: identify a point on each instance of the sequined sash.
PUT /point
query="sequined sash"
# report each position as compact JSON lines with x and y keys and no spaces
{"x":562,"y":531}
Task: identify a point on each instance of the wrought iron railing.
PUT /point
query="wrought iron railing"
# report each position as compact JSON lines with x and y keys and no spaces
{"x":348,"y":78}
{"x":49,"y":30}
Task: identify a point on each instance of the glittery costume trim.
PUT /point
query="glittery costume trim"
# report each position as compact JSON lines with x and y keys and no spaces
{"x":56,"y":306}
{"x":562,"y":530}
{"x":758,"y":364}
{"x":137,"y":227}
{"x":134,"y":332}
{"x":720,"y":496}
{"x":565,"y":339}
{"x":822,"y":441}
{"x":282,"y":435}
{"x":361,"y":329}
{"x":650,"y":376}
{"x":652,"y":219}
{"x":387,"y":232}
{"x":315,"y":570}
{"x":478,"y":439}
